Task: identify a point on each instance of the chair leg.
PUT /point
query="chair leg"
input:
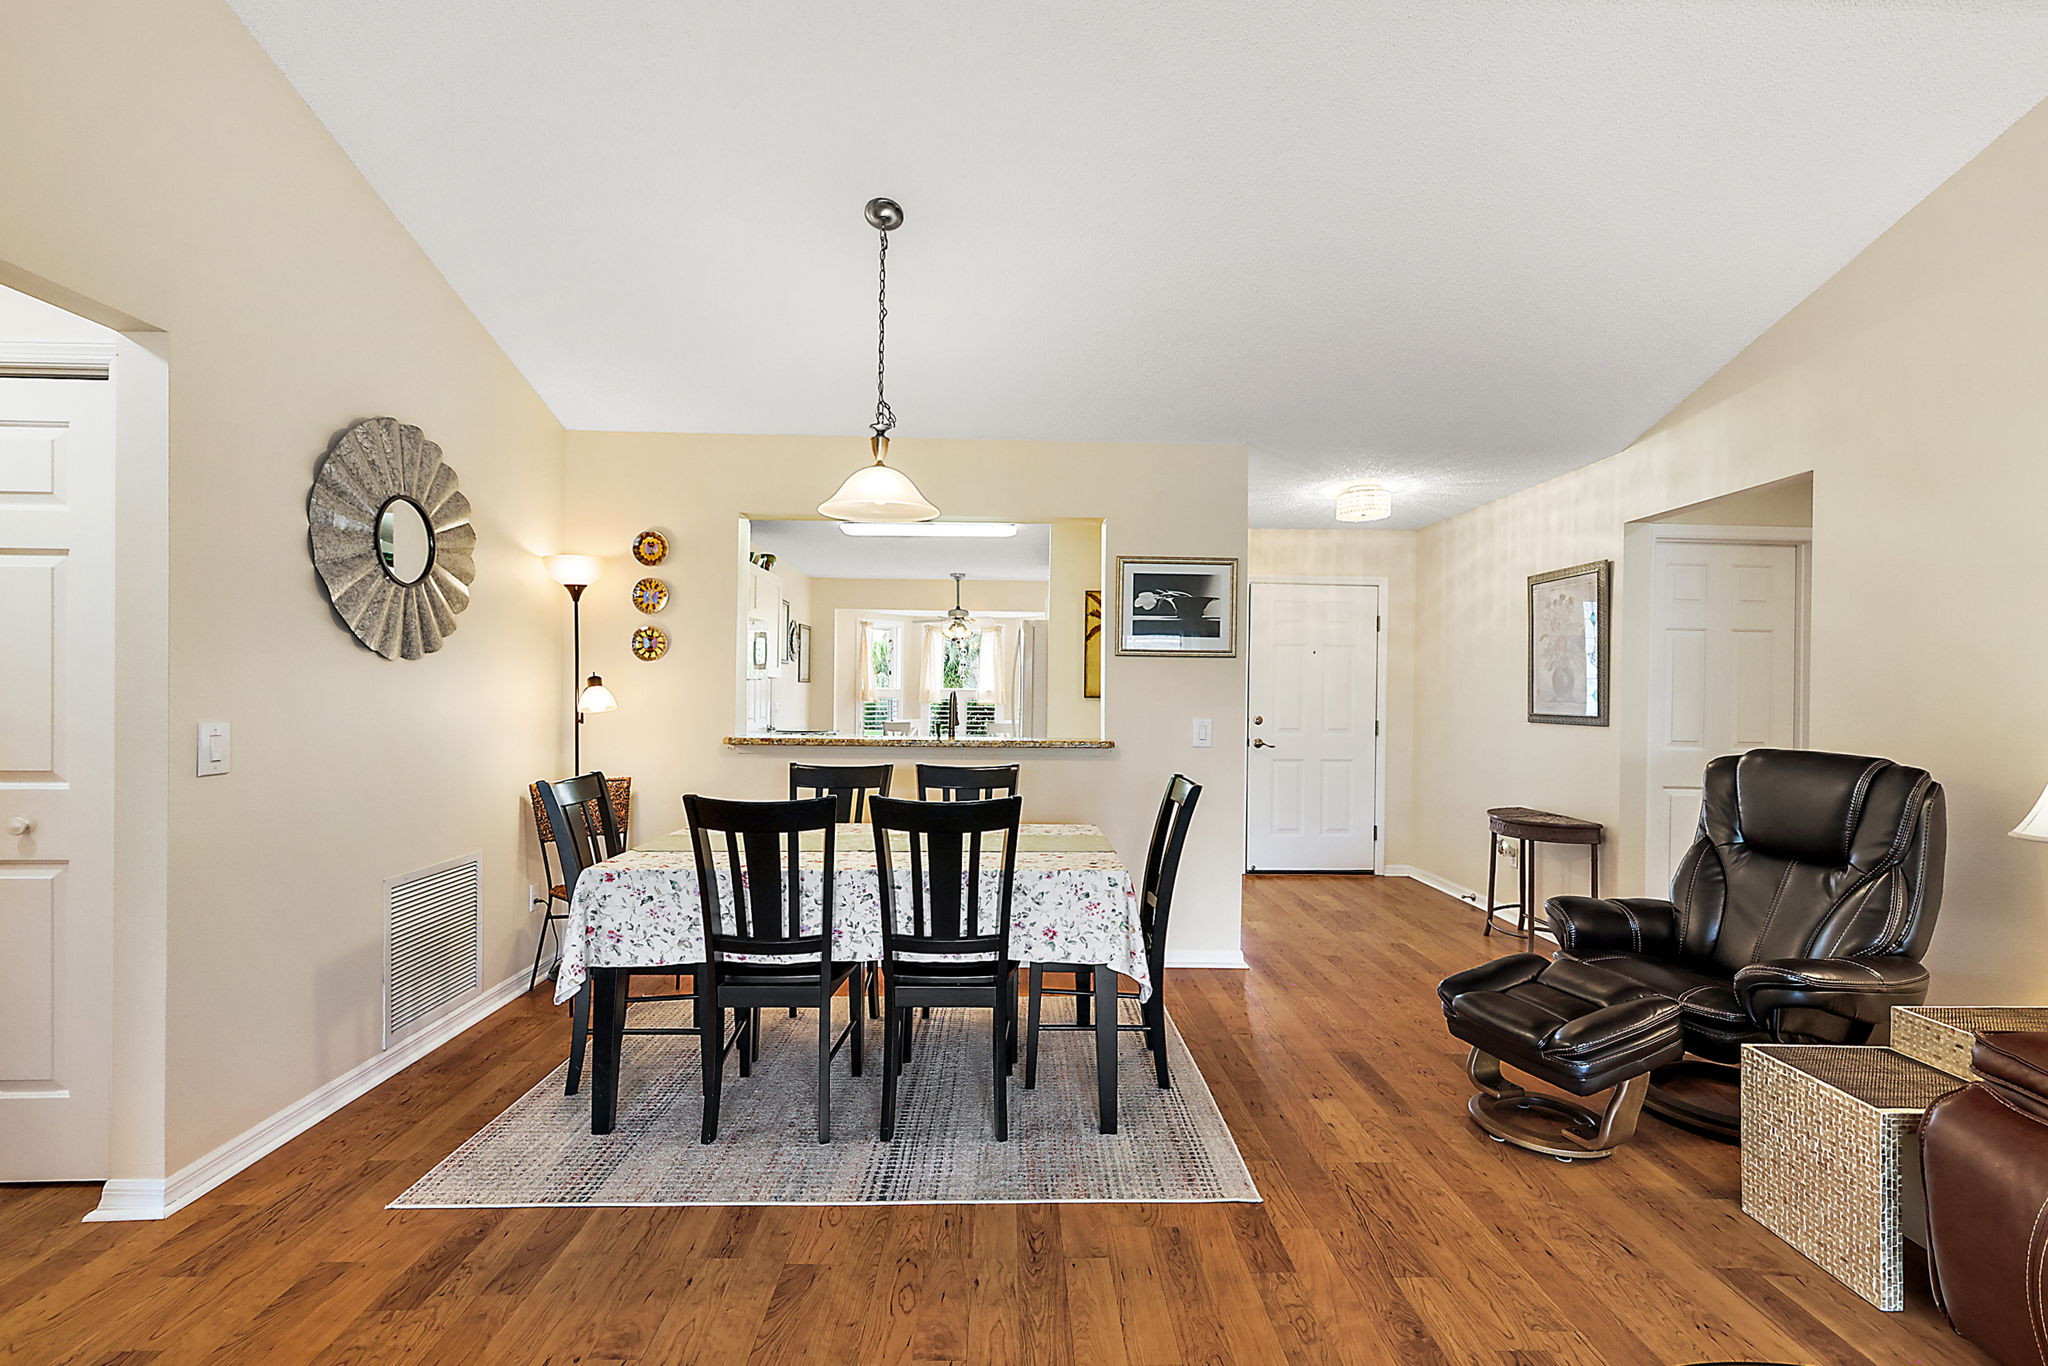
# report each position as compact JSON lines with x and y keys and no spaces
{"x":999,"y":1033}
{"x":892,"y":1063}
{"x":1155,"y":1033}
{"x":711,"y":1046}
{"x":874,"y":991}
{"x":1032,"y":1003}
{"x":540,"y":946}
{"x":825,"y":1066}
{"x":579,"y":1036}
{"x":745,"y":1022}
{"x":856,"y":1019}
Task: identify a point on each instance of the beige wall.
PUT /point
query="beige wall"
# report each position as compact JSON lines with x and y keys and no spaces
{"x":674,"y":714}
{"x":1911,"y":386}
{"x":1077,"y":567}
{"x":1780,"y":503}
{"x":158,"y":166}
{"x":1347,"y":553}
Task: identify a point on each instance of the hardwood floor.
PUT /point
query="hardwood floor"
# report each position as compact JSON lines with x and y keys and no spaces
{"x":1391,"y":1230}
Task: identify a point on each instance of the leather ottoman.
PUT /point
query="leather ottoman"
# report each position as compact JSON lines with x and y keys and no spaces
{"x":1574,"y":1025}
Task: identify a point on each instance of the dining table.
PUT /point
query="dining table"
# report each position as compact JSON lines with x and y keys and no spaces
{"x":1073,"y":902}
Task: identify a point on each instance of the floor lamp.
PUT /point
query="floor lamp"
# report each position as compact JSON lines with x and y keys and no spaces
{"x":576,"y":573}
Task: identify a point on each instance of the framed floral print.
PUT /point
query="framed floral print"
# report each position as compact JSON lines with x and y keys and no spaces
{"x":1568,"y":629}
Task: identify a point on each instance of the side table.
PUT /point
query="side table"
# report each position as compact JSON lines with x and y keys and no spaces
{"x":1940,"y":1036}
{"x":1529,"y":828}
{"x":1830,"y":1156}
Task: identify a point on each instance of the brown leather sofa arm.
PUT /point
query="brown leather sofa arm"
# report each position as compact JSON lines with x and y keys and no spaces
{"x":1860,"y":989}
{"x":1631,"y":924}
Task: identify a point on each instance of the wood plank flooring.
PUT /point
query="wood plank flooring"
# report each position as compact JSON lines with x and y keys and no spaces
{"x":1391,"y":1232}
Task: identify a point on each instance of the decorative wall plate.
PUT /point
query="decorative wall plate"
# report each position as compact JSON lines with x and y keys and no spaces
{"x":650,"y":547}
{"x":650,"y":643}
{"x":391,"y":538}
{"x":650,"y":595}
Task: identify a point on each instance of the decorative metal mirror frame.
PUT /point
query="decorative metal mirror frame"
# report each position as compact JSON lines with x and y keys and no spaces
{"x":368,"y":467}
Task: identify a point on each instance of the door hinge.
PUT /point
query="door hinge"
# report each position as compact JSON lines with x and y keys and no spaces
{"x":1378,"y":623}
{"x":1375,"y":832}
{"x":1375,"y":728}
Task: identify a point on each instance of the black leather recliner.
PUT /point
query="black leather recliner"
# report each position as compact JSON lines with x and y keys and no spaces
{"x":1798,"y":915}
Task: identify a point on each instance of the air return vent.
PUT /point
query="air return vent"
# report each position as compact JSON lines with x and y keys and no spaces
{"x":433,"y":943}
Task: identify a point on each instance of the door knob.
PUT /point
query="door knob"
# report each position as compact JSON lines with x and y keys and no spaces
{"x":21,"y":825}
{"x":1263,"y":744}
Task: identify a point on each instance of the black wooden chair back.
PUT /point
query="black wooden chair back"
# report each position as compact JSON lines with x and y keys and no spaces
{"x":756,"y":906}
{"x":1162,"y":867}
{"x":951,"y":846}
{"x":965,"y":782}
{"x":848,"y":785}
{"x":585,"y":826}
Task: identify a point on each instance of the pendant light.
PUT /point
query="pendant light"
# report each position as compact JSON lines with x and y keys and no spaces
{"x":878,"y":493}
{"x":959,"y":625}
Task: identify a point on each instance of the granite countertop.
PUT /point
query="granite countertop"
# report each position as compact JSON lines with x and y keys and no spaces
{"x":915,"y":742}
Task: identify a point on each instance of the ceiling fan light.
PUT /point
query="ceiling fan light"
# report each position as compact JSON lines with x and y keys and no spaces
{"x":877,"y":493}
{"x":1366,"y":502}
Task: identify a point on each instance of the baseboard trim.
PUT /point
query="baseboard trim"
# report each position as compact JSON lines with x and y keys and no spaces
{"x":124,"y":1199}
{"x":1185,"y":958}
{"x":1450,"y":888}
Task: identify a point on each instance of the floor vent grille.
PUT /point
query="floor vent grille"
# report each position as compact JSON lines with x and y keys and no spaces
{"x":433,"y":943}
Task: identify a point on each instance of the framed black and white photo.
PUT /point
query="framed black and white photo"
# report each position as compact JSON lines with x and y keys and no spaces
{"x":1174,"y":605}
{"x":1568,"y":645}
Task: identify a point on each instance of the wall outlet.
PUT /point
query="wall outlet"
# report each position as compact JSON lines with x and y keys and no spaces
{"x":533,"y":896}
{"x":1507,"y":848}
{"x":1203,"y":732}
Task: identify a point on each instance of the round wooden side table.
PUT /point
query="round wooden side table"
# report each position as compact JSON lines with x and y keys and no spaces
{"x":1529,"y":827}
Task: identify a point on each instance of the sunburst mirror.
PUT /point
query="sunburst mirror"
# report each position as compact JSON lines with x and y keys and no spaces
{"x":392,"y":538}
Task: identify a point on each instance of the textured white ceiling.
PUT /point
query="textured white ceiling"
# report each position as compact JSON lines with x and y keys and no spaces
{"x":823,"y":551}
{"x":1466,"y":245}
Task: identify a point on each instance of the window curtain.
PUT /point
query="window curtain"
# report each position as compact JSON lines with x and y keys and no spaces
{"x":933,"y":657}
{"x":866,"y":657}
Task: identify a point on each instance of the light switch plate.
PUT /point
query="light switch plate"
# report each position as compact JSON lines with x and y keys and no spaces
{"x":1203,"y":732}
{"x":213,"y":755}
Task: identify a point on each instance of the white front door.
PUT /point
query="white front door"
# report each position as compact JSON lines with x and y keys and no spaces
{"x":57,"y":660}
{"x":1311,"y":777}
{"x":1725,"y":674}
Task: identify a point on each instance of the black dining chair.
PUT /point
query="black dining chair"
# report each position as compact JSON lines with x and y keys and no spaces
{"x":848,"y":785}
{"x":1155,"y":908}
{"x":586,"y":832}
{"x":557,"y":892}
{"x":965,"y":782}
{"x":952,"y":847}
{"x":753,"y":911}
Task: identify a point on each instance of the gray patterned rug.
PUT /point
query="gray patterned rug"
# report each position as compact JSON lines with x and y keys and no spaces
{"x":1172,"y":1146}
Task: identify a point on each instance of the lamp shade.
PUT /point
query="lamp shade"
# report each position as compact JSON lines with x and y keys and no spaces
{"x":1367,"y":502}
{"x":2035,"y":826}
{"x":876,"y":493}
{"x":596,"y":697}
{"x":573,"y":571}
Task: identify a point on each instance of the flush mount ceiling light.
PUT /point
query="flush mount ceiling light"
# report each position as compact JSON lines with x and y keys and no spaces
{"x":964,"y":529}
{"x":959,"y":625}
{"x":1366,"y":502}
{"x":877,"y":493}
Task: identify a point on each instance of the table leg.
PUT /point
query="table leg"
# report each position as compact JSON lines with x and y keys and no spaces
{"x":1595,"y":849}
{"x":1492,"y":863}
{"x":608,"y":1011}
{"x":1105,"y":1047}
{"x":1526,"y":916}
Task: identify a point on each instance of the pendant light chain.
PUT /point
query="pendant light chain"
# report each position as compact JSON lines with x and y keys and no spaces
{"x":885,"y":416}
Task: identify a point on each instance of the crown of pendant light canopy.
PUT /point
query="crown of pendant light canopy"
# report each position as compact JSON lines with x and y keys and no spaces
{"x":959,"y":625}
{"x":1364,"y":502}
{"x":879,"y":492}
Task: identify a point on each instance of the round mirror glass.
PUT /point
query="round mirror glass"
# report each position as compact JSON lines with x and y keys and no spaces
{"x":405,"y":543}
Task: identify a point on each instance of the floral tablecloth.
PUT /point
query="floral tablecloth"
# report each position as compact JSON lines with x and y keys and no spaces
{"x":1075,"y":902}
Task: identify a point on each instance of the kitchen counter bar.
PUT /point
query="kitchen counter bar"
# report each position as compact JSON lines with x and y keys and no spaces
{"x":912,"y":742}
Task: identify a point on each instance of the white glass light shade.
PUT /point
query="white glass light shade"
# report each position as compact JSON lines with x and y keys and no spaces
{"x":961,"y":627}
{"x":573,"y":571}
{"x":876,"y":493}
{"x":1366,"y":502}
{"x":596,"y":697}
{"x":2035,"y":826}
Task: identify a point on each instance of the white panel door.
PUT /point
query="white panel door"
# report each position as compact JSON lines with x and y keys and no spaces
{"x":1725,"y":623}
{"x":57,"y":660}
{"x":1311,"y":784}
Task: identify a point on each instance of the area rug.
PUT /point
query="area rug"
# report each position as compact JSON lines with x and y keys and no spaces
{"x":1171,"y":1146}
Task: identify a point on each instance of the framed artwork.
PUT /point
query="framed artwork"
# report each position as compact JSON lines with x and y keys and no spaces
{"x":1176,"y":605}
{"x":761,"y":650}
{"x":1568,"y":645}
{"x":788,"y":633}
{"x":1091,"y":643}
{"x":803,"y":654}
